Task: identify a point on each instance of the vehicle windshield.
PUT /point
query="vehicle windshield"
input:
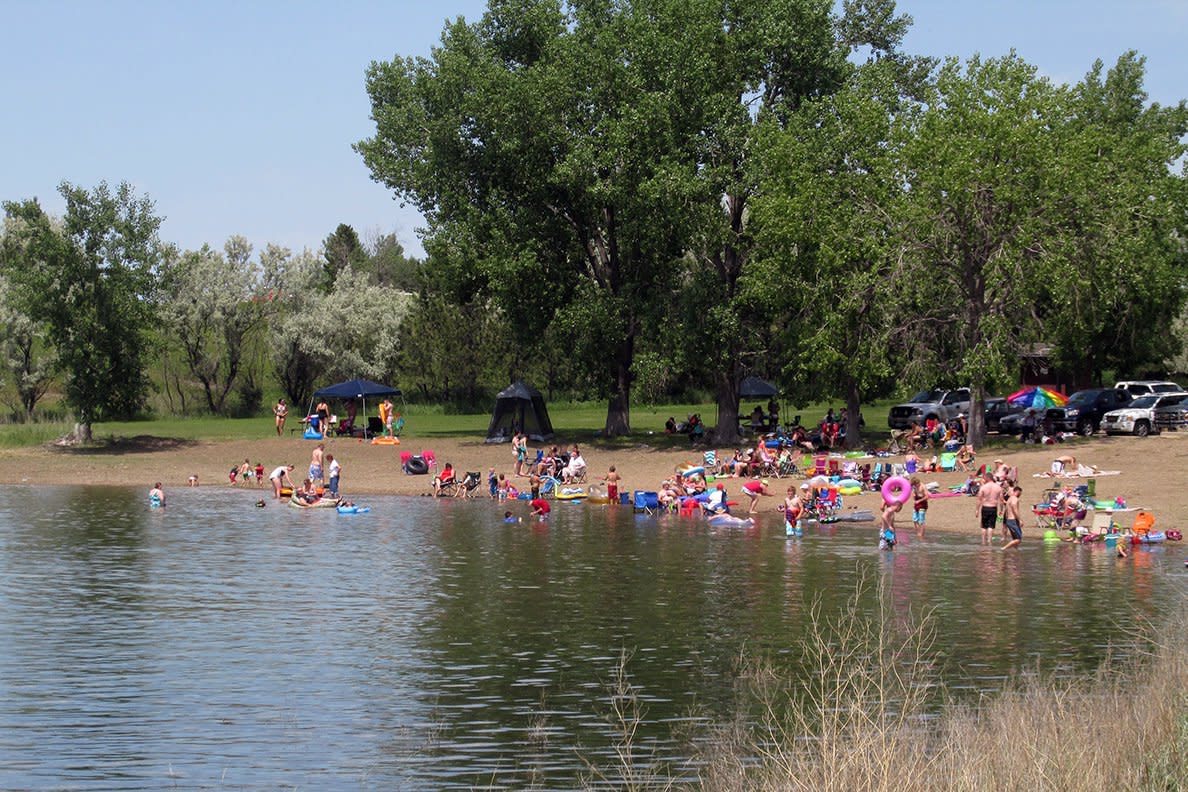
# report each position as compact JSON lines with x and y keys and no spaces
{"x":1082,"y":397}
{"x":926,"y":397}
{"x":1166,"y":387}
{"x":1169,"y":400}
{"x":1145,"y":401}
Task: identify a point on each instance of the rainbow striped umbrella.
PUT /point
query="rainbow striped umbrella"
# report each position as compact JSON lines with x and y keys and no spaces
{"x":1034,"y":396}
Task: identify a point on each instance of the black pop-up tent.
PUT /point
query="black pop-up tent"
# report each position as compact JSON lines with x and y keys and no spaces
{"x":755,"y":388}
{"x":357,"y":389}
{"x":519,"y":406}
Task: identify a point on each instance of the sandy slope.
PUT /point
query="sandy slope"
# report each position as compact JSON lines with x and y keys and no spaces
{"x":1154,"y":470}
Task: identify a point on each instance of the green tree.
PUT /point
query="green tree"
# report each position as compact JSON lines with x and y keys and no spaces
{"x":1124,"y":226}
{"x":756,"y":65}
{"x":211,"y":303}
{"x":824,"y":222}
{"x":983,"y":166}
{"x":90,"y":281}
{"x":29,"y":360}
{"x":341,"y":249}
{"x":387,"y":264}
{"x":538,"y":143}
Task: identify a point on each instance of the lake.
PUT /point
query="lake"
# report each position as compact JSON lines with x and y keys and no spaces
{"x":429,"y":645}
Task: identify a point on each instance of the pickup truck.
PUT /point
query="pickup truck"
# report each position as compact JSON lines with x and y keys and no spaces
{"x":937,"y":403}
{"x":1085,"y":410}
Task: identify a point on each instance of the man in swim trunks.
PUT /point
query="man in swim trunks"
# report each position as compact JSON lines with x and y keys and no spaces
{"x":315,"y":463}
{"x":1010,"y":518}
{"x":988,"y":502}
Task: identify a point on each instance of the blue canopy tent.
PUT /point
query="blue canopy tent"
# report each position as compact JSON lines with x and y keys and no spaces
{"x":361,"y":389}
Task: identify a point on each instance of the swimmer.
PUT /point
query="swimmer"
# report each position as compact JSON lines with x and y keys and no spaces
{"x":157,"y":495}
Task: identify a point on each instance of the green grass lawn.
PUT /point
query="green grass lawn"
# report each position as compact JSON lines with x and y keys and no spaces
{"x":571,"y":420}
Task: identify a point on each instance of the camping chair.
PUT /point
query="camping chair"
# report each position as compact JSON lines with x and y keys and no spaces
{"x":828,"y":503}
{"x":948,"y":461}
{"x":466,"y":487}
{"x":834,"y":468}
{"x":549,"y":486}
{"x":398,"y":426}
{"x":345,"y":428}
{"x":819,"y":463}
{"x":787,"y":466}
{"x":709,"y":460}
{"x":375,"y":427}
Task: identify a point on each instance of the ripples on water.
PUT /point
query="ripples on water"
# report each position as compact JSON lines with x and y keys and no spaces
{"x":429,"y":645}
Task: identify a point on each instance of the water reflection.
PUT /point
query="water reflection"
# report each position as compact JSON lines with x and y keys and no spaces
{"x":430,"y":645}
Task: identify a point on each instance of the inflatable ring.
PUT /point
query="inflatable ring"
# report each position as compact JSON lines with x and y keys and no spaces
{"x":896,"y":491}
{"x":417,"y":466}
{"x":693,"y":470}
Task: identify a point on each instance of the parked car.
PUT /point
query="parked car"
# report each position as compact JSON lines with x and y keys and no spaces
{"x":1085,"y":409}
{"x":937,"y":403}
{"x":1138,"y":388}
{"x":997,"y":409}
{"x":1013,"y":424}
{"x":1171,"y":417}
{"x":1138,"y":417}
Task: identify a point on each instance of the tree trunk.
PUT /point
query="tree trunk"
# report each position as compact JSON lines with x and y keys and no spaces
{"x":975,"y":431}
{"x":726,"y":432}
{"x":82,"y":432}
{"x":853,"y":415}
{"x":618,"y":410}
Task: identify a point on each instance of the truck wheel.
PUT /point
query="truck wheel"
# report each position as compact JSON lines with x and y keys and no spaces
{"x":1086,"y":428}
{"x":1142,"y":429}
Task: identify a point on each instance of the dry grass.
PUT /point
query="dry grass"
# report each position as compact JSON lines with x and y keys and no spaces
{"x":867,"y":720}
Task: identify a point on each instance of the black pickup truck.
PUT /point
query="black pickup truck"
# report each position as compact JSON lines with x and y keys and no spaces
{"x":1085,"y":409}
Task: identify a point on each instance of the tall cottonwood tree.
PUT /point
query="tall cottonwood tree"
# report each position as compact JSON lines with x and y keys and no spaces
{"x":90,"y":281}
{"x":544,"y":146}
{"x":828,"y":257}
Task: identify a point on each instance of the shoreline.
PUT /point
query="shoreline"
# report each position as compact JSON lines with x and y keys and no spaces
{"x":1149,"y":470}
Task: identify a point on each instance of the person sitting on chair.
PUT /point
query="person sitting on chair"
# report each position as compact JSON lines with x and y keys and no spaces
{"x":575,"y":468}
{"x":446,"y":478}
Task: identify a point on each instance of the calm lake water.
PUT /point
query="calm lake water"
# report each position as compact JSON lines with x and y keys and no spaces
{"x":429,"y":645}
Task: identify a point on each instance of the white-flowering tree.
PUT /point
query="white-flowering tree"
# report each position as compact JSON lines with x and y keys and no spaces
{"x":212,"y":303}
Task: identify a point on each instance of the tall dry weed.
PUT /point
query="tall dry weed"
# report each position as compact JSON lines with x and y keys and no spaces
{"x":869,"y":717}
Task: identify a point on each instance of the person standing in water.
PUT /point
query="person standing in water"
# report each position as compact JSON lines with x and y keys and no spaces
{"x":988,"y":502}
{"x":1010,"y":518}
{"x":157,"y":495}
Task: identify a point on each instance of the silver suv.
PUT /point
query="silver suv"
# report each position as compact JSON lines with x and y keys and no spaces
{"x":1138,"y":417}
{"x":936,"y":403}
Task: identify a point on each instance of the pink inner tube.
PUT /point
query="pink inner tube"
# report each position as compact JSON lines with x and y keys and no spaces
{"x":896,"y":490}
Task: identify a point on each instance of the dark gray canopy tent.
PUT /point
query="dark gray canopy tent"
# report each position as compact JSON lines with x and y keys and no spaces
{"x":358,"y":389}
{"x":755,"y":388}
{"x":519,"y":406}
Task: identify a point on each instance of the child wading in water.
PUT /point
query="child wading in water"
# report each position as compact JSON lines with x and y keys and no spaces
{"x":612,"y":480}
{"x":919,"y":506}
{"x":887,"y":526}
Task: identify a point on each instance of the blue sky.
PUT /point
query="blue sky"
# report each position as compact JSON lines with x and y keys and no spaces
{"x":238,"y":117}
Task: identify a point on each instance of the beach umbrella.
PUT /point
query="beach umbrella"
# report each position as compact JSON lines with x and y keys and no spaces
{"x":1034,"y":396}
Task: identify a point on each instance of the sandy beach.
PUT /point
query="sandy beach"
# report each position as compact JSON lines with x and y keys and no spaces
{"x":1152,"y":469}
